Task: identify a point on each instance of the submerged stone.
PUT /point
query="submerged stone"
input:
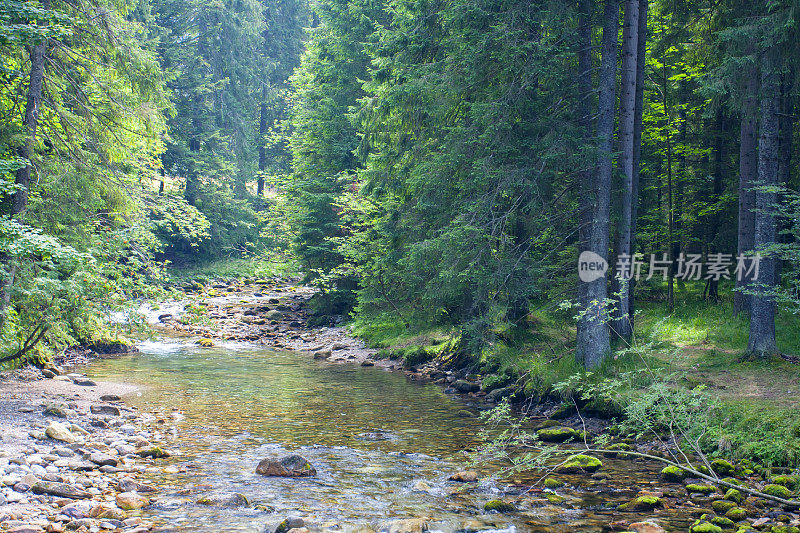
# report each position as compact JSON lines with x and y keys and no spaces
{"x":557,"y":434}
{"x":499,"y":506}
{"x":641,"y":503}
{"x":580,"y":463}
{"x":289,"y":466}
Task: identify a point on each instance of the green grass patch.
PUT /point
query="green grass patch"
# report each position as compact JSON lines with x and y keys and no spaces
{"x":236,"y":268}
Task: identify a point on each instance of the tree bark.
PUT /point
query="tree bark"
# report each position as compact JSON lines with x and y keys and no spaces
{"x":585,"y":8}
{"x":627,"y":120}
{"x":594,"y":343}
{"x":262,"y":147}
{"x":19,"y":200}
{"x":641,"y":57}
{"x":30,"y":122}
{"x":748,"y":166}
{"x":761,"y":342}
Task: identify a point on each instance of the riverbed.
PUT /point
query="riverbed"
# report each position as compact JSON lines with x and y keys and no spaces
{"x":383,"y":445}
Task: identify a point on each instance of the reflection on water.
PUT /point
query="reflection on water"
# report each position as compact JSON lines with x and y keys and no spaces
{"x":372,"y":436}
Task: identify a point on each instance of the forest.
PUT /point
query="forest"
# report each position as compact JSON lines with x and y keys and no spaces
{"x":592,"y":205}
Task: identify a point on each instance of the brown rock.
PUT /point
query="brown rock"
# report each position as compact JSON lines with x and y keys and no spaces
{"x":468,"y":476}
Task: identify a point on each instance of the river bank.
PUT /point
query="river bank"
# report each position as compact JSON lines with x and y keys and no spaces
{"x":73,"y":454}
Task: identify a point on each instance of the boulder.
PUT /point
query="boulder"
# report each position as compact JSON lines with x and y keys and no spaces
{"x":152,"y":451}
{"x":580,"y":463}
{"x":62,"y":490}
{"x":60,"y":432}
{"x":105,"y":409}
{"x":673,"y":474}
{"x":289,"y":466}
{"x":779,"y":491}
{"x":557,"y":434}
{"x":467,"y":476}
{"x":131,"y":501}
{"x":405,"y":525}
{"x":465,"y":386}
{"x":230,"y":499}
{"x":641,"y":503}
{"x":646,"y":527}
{"x":102,"y":459}
{"x":292,"y":522}
{"x":498,"y":506}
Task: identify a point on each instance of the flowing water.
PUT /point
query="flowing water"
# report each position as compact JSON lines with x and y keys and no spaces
{"x":371,"y":434}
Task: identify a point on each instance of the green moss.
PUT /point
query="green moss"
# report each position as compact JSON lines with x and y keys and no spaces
{"x":736,"y":514}
{"x":580,"y":463}
{"x":673,"y":474}
{"x":701,"y":526}
{"x":722,"y":506}
{"x":557,"y":434}
{"x":641,"y":503}
{"x":722,"y":467}
{"x":702,"y":488}
{"x":790,"y":482}
{"x":724,"y":523}
{"x":499,"y":506}
{"x":779,"y":491}
{"x":555,"y":499}
{"x":734,"y":496}
{"x":553,"y":483}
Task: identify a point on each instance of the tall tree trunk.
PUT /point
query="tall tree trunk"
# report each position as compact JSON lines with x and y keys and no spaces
{"x":627,"y":119}
{"x":30,"y":121}
{"x":585,"y":8}
{"x":19,"y":200}
{"x":748,"y":166}
{"x":262,"y":146}
{"x":637,"y":140}
{"x":762,"y":306}
{"x":594,"y":343}
{"x":713,"y":223}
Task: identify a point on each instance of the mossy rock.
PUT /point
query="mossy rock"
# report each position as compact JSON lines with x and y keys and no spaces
{"x":701,"y":488}
{"x":547,"y":424}
{"x":553,"y":483}
{"x":498,"y":506}
{"x":565,"y":410}
{"x":734,"y":496}
{"x":557,"y":434}
{"x":153,"y":451}
{"x":779,"y":491}
{"x":790,"y":482}
{"x":702,"y":526}
{"x":580,"y":463}
{"x":736,"y":514}
{"x":674,"y":474}
{"x":641,"y":503}
{"x":555,"y":499}
{"x":620,"y":447}
{"x":205,"y":343}
{"x":724,"y":523}
{"x":722,"y":467}
{"x":722,"y":506}
{"x":784,"y":529}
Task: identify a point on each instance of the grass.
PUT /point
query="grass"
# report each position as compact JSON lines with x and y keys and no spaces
{"x":758,"y":401}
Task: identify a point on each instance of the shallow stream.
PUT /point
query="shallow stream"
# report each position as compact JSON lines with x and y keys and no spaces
{"x":371,"y":434}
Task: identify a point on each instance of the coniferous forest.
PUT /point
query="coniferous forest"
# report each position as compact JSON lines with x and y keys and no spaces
{"x":569,"y":227}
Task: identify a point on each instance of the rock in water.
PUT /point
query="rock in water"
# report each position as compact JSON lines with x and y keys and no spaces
{"x":62,"y":490}
{"x":407,"y":525}
{"x":289,"y":524}
{"x":105,"y":410}
{"x":224,"y":500}
{"x":131,"y":501}
{"x":289,"y":466}
{"x":468,"y":476}
{"x":60,"y":432}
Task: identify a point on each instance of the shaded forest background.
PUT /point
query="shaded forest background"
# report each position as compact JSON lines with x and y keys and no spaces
{"x":429,"y":165}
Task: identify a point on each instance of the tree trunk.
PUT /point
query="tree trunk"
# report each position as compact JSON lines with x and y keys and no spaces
{"x":19,"y":200}
{"x":585,"y":185}
{"x":594,"y":343}
{"x":262,"y":146}
{"x":637,"y":140}
{"x":30,"y":122}
{"x":627,"y":120}
{"x":748,"y":166}
{"x":762,"y":307}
